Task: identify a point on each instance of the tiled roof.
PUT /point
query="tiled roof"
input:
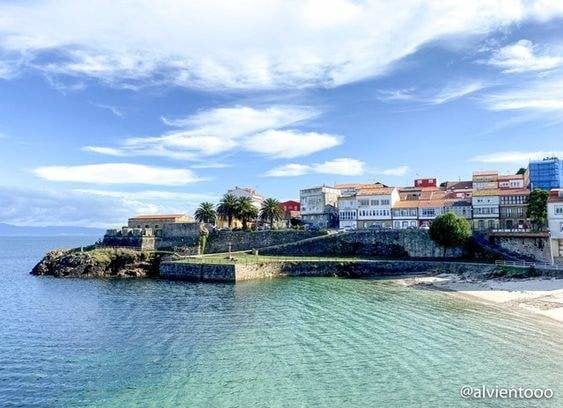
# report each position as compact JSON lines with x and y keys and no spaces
{"x":485,"y":173}
{"x":514,"y":191}
{"x":457,"y":201}
{"x":511,"y":177}
{"x":487,"y":192}
{"x":406,"y":204}
{"x":459,"y":185}
{"x":431,"y":203}
{"x":375,"y":191}
{"x":156,"y":216}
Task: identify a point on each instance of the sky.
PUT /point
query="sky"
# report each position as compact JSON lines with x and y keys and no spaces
{"x":115,"y":108}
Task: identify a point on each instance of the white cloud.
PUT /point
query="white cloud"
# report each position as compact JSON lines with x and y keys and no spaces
{"x":284,"y":44}
{"x":456,"y":91}
{"x":521,"y":57}
{"x":116,"y":111}
{"x":90,"y":208}
{"x":110,"y":151}
{"x":289,"y":170}
{"x":515,"y":156}
{"x":396,"y":95}
{"x":289,"y":143}
{"x":340,"y":166}
{"x":117,"y":173}
{"x":394,"y":171}
{"x":545,"y":95}
{"x":451,"y":92}
{"x":151,"y":195}
{"x":343,"y":167}
{"x":217,"y":131}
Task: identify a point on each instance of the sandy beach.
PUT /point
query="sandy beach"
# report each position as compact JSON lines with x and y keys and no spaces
{"x":540,"y":296}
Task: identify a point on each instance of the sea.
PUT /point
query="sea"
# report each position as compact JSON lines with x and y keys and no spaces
{"x":295,"y":342}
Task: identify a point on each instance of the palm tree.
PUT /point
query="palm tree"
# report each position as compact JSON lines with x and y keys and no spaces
{"x":206,"y":213}
{"x":227,"y":208}
{"x":246,"y":211}
{"x":271,"y":211}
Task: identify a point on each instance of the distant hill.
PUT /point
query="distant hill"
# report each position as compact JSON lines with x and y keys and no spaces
{"x":15,"y":230}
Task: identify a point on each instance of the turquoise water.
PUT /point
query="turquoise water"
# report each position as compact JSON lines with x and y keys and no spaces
{"x":285,"y":343}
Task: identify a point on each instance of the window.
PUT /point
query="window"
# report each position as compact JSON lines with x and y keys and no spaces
{"x":559,"y":210}
{"x":561,"y":227}
{"x":384,"y":202}
{"x":364,"y":202}
{"x":374,"y":202}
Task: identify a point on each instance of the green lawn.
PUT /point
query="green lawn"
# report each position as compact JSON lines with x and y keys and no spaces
{"x":239,"y":257}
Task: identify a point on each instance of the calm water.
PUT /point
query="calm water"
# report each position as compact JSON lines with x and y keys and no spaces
{"x":289,"y":342}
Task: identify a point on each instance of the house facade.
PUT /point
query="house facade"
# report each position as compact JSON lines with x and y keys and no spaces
{"x":485,"y":205}
{"x":348,"y":211}
{"x":555,"y":221}
{"x":459,"y":206}
{"x":319,"y":206}
{"x":405,"y":214}
{"x":513,"y":208}
{"x":291,"y":211}
{"x":374,"y":206}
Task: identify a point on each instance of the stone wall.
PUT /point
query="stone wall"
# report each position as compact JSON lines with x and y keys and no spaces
{"x":198,"y":272}
{"x":130,"y":241}
{"x":372,"y":243}
{"x":355,"y":269}
{"x":218,"y":241}
{"x":349,"y":269}
{"x":533,"y":245}
{"x":181,"y":234}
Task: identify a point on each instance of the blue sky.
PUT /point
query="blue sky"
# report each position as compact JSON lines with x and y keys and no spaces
{"x":109,"y":109}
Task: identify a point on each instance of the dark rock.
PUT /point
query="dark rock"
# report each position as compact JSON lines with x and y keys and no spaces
{"x":99,"y":263}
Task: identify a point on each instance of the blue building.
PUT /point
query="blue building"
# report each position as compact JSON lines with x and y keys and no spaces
{"x":546,"y":174}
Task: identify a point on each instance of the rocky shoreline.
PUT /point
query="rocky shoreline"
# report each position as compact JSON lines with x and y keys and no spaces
{"x":99,"y":263}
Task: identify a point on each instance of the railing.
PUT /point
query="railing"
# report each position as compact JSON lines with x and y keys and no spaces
{"x":524,"y":264}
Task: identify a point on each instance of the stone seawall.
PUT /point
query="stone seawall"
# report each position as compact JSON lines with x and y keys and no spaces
{"x":534,"y":245}
{"x":244,"y":240}
{"x":182,"y":234}
{"x":371,"y":243}
{"x":198,"y":272}
{"x":348,"y":269}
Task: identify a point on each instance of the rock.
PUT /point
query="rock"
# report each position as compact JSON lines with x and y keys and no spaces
{"x":99,"y":263}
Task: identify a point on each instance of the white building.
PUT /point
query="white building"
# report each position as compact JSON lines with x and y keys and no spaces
{"x":256,"y":198}
{"x":319,"y":206}
{"x":348,"y":211}
{"x":405,"y":214}
{"x":374,"y":206}
{"x":485,"y":209}
{"x":555,"y":221}
{"x":485,"y":180}
{"x":511,"y":181}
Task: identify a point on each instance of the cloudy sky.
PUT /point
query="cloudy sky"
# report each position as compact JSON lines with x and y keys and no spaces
{"x":111,"y":108}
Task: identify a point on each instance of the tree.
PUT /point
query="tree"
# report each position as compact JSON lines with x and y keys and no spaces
{"x":246,"y":211}
{"x":537,"y":208}
{"x":206,"y":213}
{"x":521,"y":170}
{"x":449,"y":230}
{"x":227,"y":208}
{"x":271,"y":211}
